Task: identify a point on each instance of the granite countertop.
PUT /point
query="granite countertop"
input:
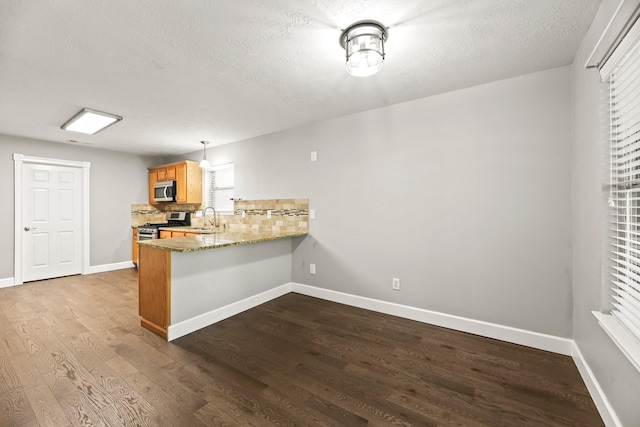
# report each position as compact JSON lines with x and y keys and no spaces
{"x":216,"y":240}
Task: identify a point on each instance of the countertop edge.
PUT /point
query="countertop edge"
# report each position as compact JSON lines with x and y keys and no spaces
{"x":198,"y":243}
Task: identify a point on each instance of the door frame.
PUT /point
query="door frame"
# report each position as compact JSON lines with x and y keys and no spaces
{"x":18,"y":161}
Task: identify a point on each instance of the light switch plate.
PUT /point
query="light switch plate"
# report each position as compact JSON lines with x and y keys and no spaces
{"x":312,"y":214}
{"x":314,"y":156}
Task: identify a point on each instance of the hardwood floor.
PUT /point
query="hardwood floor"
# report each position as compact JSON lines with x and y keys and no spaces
{"x":72,"y":353}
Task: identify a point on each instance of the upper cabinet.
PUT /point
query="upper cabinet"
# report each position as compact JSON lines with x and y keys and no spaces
{"x":188,"y":177}
{"x":188,"y":182}
{"x":166,"y":172}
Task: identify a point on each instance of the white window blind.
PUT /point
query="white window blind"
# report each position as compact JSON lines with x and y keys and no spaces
{"x":624,"y":198}
{"x":219,"y":184}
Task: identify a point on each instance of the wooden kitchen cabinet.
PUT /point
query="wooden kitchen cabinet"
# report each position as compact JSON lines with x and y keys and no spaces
{"x":154,"y":290}
{"x":181,"y":184}
{"x":188,"y":177}
{"x":166,"y":173}
{"x":188,"y":182}
{"x":134,"y":246}
{"x":153,"y":178}
{"x":166,"y":234}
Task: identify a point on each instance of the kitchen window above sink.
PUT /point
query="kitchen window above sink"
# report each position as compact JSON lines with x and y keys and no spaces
{"x":218,"y":187}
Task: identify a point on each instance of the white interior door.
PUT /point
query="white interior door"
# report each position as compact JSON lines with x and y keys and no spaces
{"x":52,"y":221}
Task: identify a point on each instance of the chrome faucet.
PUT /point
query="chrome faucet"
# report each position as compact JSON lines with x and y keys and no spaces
{"x":204,"y":214}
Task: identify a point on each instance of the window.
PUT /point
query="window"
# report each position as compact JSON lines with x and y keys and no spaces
{"x":623,"y":321}
{"x":218,"y":189}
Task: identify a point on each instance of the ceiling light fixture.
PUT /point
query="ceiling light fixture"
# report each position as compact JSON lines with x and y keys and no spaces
{"x":364,"y":46}
{"x":205,"y":163}
{"x":90,"y":121}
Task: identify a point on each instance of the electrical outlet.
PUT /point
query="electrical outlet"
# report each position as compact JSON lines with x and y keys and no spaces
{"x":312,"y":269}
{"x":312,"y":214}
{"x":395,"y":284}
{"x":314,"y":156}
{"x":244,"y":214}
{"x":268,"y":214}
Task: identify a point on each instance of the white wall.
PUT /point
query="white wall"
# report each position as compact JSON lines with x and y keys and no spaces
{"x":463,"y":196}
{"x":619,"y":380}
{"x":204,"y":281}
{"x":116,"y":181}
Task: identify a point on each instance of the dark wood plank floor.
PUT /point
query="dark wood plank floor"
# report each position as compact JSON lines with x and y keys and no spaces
{"x":72,"y":353}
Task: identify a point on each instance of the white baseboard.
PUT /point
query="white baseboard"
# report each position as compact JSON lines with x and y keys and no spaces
{"x":491,"y":330}
{"x":597,"y":394}
{"x":214,"y":316}
{"x":564,"y":346}
{"x":109,"y":267}
{"x":6,"y":283}
{"x":537,"y":340}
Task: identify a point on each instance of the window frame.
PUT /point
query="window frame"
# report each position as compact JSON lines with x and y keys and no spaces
{"x":206,"y":190}
{"x":622,"y":241}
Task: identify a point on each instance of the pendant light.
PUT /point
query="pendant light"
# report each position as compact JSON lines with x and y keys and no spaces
{"x":205,"y":163}
{"x":364,"y":46}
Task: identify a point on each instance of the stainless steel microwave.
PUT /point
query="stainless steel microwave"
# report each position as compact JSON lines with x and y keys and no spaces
{"x":164,"y":191}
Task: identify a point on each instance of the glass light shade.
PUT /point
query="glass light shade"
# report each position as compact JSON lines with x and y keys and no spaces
{"x":364,"y":46}
{"x":90,"y":121}
{"x":204,"y":163}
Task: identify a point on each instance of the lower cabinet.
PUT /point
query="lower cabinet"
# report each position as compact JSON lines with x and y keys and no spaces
{"x":166,"y":234}
{"x":154,"y":284}
{"x":134,"y":246}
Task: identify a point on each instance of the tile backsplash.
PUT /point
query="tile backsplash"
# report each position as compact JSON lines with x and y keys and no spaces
{"x":143,"y":213}
{"x":286,"y":215}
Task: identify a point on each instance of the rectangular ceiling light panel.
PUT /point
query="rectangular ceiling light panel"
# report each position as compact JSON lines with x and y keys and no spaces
{"x":90,"y":121}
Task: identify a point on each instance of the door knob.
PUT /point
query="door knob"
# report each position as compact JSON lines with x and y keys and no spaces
{"x":27,"y":228}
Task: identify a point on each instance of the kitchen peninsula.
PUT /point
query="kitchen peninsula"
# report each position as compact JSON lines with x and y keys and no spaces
{"x":187,"y":283}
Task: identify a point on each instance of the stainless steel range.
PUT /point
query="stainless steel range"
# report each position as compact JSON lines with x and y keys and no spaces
{"x":151,"y":231}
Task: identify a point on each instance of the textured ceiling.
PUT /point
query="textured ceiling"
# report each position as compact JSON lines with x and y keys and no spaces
{"x":183,"y":71}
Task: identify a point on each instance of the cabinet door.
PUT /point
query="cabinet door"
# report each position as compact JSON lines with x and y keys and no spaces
{"x":194,"y":183}
{"x":162,"y":174}
{"x":153,"y":178}
{"x":192,"y":234}
{"x":170,"y":173}
{"x":181,"y":183}
{"x":134,"y":246}
{"x":166,"y":173}
{"x":165,"y":234}
{"x":154,"y":284}
{"x":177,"y":234}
